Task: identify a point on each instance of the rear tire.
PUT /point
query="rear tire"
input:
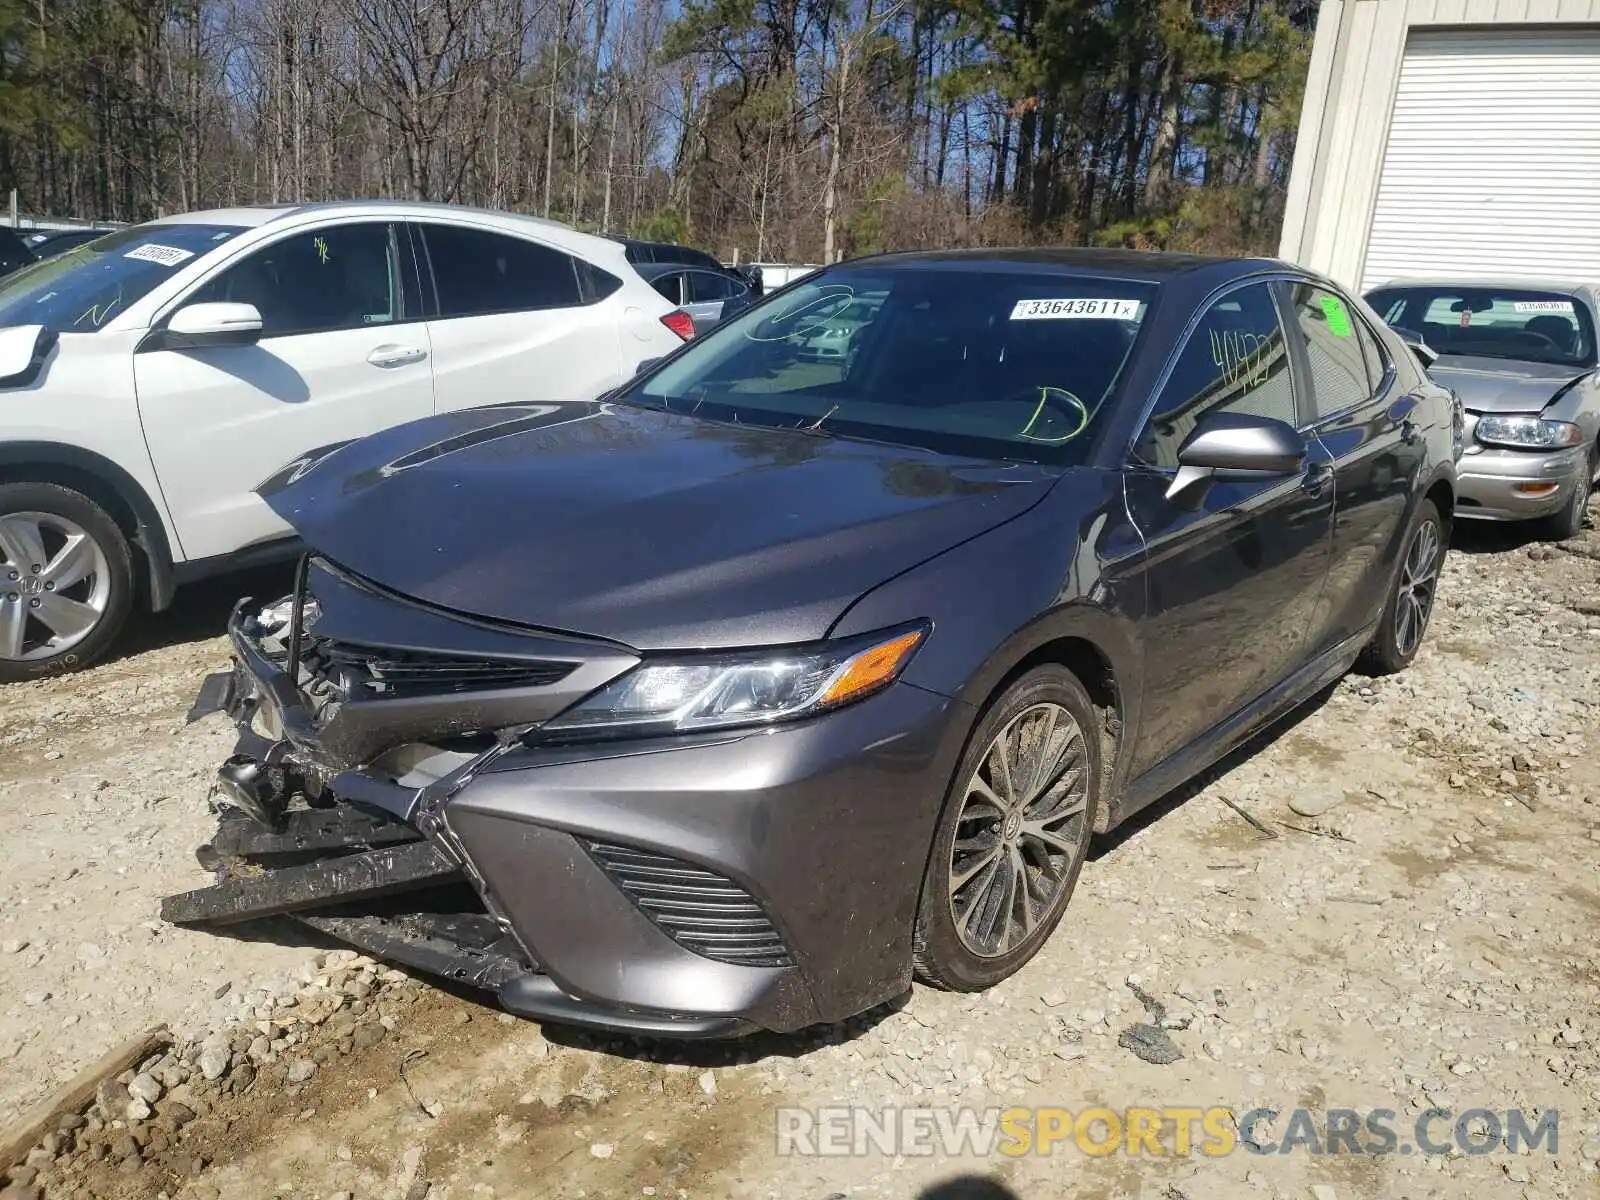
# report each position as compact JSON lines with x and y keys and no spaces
{"x":1410,"y":604}
{"x":66,"y":581}
{"x":1567,"y":524}
{"x":1013,"y":834}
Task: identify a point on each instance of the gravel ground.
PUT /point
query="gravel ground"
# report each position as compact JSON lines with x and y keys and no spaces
{"x":1418,"y":932}
{"x":102,"y":801}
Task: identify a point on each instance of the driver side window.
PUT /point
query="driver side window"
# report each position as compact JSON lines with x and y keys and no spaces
{"x":1236,"y":360}
{"x":344,"y":277}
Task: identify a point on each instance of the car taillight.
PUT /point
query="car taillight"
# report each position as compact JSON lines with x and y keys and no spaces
{"x":680,"y":322}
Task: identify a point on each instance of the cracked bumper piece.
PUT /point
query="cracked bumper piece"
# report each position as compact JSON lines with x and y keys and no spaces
{"x":692,"y":887}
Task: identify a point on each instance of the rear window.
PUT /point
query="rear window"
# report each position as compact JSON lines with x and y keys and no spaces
{"x":1520,"y":324}
{"x":477,"y":272}
{"x":994,"y":364}
{"x":79,"y":290}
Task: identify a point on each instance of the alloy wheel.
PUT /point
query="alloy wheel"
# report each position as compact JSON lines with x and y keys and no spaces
{"x":1020,"y":832}
{"x":55,"y":585}
{"x":1419,"y":577}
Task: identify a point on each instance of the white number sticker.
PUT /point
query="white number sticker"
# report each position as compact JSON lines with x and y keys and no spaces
{"x":1068,"y":310}
{"x":1543,"y":306}
{"x":166,"y":256}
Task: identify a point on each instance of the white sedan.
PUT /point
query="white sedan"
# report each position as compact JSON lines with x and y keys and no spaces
{"x":149,"y":380}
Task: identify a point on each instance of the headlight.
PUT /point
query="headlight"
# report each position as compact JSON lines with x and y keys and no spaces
{"x":756,"y":688}
{"x":1527,"y":433}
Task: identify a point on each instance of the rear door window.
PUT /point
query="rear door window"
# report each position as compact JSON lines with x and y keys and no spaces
{"x":477,"y":272}
{"x":704,"y":286}
{"x":1331,"y":335}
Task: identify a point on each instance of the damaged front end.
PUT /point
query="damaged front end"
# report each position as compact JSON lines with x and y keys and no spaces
{"x":360,"y":714}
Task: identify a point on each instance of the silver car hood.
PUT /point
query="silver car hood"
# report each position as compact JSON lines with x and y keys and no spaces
{"x":1498,"y":385}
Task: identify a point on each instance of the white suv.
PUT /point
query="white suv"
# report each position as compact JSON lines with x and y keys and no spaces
{"x":152,"y":378}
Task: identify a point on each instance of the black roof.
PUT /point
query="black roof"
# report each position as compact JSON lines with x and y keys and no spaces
{"x":1127,"y":264}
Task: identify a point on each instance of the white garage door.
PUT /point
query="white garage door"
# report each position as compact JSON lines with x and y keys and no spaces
{"x":1493,"y":164}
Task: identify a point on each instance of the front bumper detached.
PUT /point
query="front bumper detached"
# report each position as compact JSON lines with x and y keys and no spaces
{"x":690,"y":887}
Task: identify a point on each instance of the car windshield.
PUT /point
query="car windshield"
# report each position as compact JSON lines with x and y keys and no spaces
{"x":1512,"y":323}
{"x":992,"y":365}
{"x":81,"y":289}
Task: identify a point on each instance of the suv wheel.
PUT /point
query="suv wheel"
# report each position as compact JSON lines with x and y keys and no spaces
{"x":66,"y":580}
{"x":1013,"y":834}
{"x":1410,"y":603}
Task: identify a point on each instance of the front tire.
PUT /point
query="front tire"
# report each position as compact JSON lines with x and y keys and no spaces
{"x":1013,"y":834}
{"x":1410,"y":604}
{"x":1567,"y":524}
{"x":66,"y":581}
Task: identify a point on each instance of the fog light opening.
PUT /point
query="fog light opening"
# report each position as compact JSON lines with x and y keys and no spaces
{"x":1535,"y":489}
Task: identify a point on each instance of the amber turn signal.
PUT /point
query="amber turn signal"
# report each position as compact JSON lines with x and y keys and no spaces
{"x":872,"y":668}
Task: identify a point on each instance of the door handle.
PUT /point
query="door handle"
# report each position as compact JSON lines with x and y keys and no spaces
{"x":396,"y":356}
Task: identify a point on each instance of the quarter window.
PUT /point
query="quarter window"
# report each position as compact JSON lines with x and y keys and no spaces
{"x":1377,"y":360}
{"x":476,"y":272}
{"x":1234,"y":361}
{"x":342,"y":277}
{"x":1339,"y":371}
{"x":670,"y":287}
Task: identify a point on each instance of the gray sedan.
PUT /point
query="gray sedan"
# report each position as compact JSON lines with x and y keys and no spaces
{"x":1521,"y":356}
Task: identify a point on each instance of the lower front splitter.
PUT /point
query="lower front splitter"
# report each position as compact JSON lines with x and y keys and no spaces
{"x":537,"y":997}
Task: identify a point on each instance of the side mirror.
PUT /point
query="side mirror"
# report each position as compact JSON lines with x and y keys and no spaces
{"x":1236,"y":444}
{"x":23,"y":349}
{"x":1424,"y":353}
{"x":645,"y":364}
{"x":216,"y":324}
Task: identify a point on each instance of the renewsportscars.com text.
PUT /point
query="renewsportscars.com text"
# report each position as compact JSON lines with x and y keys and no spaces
{"x":1167,"y":1131}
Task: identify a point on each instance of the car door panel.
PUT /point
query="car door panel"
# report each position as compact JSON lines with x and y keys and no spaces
{"x":1230,"y":585}
{"x":1364,"y":420}
{"x":1230,"y":590}
{"x":220,"y":419}
{"x":510,"y":322}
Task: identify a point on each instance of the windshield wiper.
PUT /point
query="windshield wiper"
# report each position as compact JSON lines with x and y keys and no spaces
{"x":816,"y":426}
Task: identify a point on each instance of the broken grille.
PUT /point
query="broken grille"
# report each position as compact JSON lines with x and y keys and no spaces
{"x":699,"y":909}
{"x":364,"y":673}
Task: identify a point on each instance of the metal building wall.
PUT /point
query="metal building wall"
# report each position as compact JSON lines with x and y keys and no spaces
{"x":1350,"y":93}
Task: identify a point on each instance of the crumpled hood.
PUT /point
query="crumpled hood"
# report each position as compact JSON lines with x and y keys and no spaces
{"x":1497,"y":385}
{"x":652,"y":529}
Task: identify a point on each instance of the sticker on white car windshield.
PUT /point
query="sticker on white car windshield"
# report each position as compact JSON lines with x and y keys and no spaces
{"x":1542,"y":306}
{"x":166,"y":256}
{"x":1066,"y":310}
